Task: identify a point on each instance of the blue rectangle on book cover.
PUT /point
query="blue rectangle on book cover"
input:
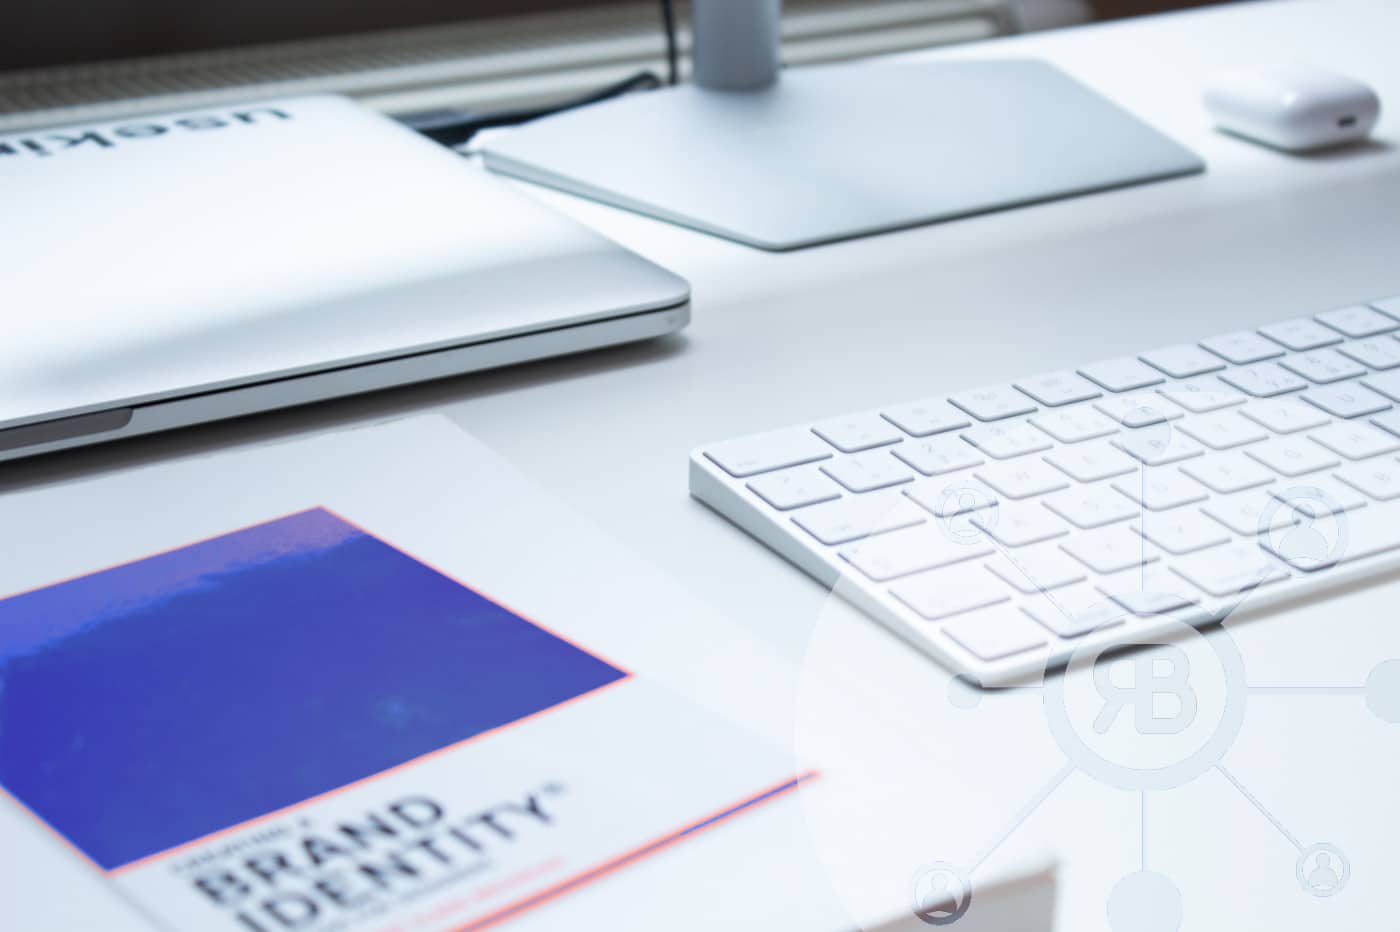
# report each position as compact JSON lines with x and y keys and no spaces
{"x":148,"y":705}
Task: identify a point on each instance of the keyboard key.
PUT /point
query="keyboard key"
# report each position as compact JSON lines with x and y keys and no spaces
{"x":1388,"y":306}
{"x":1200,"y":395}
{"x":1357,"y":321}
{"x":903,"y":553}
{"x":849,"y":519}
{"x":1109,"y":549}
{"x":1389,"y":421}
{"x":1162,"y":489}
{"x":1019,"y":525}
{"x":924,"y":418}
{"x":1074,"y":425}
{"x":993,"y":402}
{"x":1184,"y":530}
{"x":1382,"y":353}
{"x":1182,"y":361}
{"x":1228,"y":472}
{"x":1121,"y":375}
{"x":1292,"y":456}
{"x":1138,"y":410}
{"x":1303,"y":547}
{"x":1157,"y":446}
{"x":857,"y":432}
{"x":794,"y":488}
{"x":1387,"y":383}
{"x":1021,"y":478}
{"x":749,"y":456}
{"x":1318,"y":496}
{"x":943,"y":593}
{"x":939,"y":455}
{"x":1242,"y":347}
{"x":1036,"y":568}
{"x":1355,"y":441}
{"x":1350,"y":399}
{"x":866,"y":472}
{"x":1149,"y":602}
{"x":1076,"y":611}
{"x":995,"y":634}
{"x":1003,"y":441}
{"x":1264,"y":380}
{"x":945,"y":499}
{"x":1249,"y":512}
{"x":1152,"y":590}
{"x":1284,"y":417}
{"x":1223,"y":430}
{"x":1091,"y":507}
{"x":1090,"y":462}
{"x":1300,"y":334}
{"x":1323,"y":366}
{"x":1058,"y":388}
{"x":1228,"y":571}
{"x":1379,"y":479}
{"x":1371,"y":532}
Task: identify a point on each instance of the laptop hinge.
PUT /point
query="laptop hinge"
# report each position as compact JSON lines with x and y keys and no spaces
{"x":64,"y":428}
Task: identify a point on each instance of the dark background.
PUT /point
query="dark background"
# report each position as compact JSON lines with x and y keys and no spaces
{"x":35,"y":33}
{"x":1114,"y":9}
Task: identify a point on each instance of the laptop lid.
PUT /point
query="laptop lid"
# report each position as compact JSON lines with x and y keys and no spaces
{"x":159,"y":257}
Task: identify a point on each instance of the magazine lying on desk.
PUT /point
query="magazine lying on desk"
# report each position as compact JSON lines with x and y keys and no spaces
{"x":298,"y":725}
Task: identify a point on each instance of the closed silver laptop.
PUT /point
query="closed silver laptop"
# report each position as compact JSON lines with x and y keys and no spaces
{"x":166,"y":271}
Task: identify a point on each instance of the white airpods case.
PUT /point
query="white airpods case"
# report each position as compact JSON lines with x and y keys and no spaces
{"x":1292,"y":107}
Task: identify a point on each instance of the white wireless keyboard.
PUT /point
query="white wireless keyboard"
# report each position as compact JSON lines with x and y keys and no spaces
{"x":1001,"y":528}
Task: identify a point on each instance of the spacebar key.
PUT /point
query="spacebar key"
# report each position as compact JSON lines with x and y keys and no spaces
{"x":749,"y":456}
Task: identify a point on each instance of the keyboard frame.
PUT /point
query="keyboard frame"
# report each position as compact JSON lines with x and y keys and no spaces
{"x":729,"y":496}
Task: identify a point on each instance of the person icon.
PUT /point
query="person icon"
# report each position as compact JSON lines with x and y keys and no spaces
{"x":1302,"y":545}
{"x":941,"y":896}
{"x":964,"y":513}
{"x":1322,"y":879}
{"x":1323,"y":870}
{"x":938,"y":899}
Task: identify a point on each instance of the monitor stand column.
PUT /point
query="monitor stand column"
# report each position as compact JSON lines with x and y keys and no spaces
{"x":737,"y":44}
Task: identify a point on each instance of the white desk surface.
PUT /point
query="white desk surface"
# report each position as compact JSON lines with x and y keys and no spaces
{"x":783,"y":338}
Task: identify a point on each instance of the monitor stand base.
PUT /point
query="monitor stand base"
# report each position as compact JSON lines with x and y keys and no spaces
{"x":838,"y":151}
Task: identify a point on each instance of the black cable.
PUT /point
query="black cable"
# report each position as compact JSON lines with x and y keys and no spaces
{"x":457,"y":127}
{"x":673,"y":55}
